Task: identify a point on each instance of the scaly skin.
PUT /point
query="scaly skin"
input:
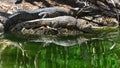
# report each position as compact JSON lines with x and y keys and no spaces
{"x":68,"y":22}
{"x":37,"y":14}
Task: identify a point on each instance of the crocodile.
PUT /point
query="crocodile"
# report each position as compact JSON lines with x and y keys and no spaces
{"x":37,"y":14}
{"x":63,"y":22}
{"x":68,"y":22}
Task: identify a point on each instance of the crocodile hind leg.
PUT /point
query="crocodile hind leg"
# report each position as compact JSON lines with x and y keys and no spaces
{"x":43,"y":14}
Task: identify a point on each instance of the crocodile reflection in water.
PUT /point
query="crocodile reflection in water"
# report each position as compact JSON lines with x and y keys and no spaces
{"x":74,"y":39}
{"x":67,"y":42}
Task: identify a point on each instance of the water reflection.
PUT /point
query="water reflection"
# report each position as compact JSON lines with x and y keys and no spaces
{"x":79,"y":51}
{"x":66,"y":41}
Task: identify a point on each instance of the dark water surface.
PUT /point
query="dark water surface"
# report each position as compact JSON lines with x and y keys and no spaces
{"x":100,"y":50}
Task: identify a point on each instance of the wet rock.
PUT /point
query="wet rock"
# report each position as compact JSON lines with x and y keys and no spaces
{"x":40,"y":31}
{"x":106,"y":21}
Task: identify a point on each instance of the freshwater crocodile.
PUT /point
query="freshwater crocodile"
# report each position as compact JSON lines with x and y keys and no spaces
{"x":68,"y":22}
{"x":63,"y":22}
{"x":37,"y":14}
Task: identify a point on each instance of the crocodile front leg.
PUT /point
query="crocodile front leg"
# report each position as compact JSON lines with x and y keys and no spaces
{"x":43,"y":14}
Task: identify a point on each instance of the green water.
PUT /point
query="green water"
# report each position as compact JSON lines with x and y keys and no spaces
{"x":100,"y":50}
